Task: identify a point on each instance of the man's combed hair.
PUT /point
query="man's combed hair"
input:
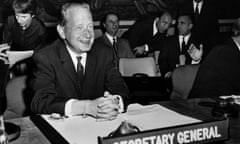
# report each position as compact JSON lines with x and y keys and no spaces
{"x":104,"y":19}
{"x":66,"y":6}
{"x":24,"y":6}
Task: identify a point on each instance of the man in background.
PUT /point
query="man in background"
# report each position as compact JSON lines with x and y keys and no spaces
{"x":218,"y":74}
{"x":180,"y":49}
{"x":206,"y":27}
{"x":147,"y":35}
{"x":119,"y":46}
{"x":24,"y":32}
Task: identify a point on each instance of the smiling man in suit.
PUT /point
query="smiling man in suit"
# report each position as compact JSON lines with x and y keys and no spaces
{"x":74,"y":77}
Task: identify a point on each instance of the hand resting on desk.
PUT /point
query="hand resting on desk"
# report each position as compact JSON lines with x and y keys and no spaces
{"x":106,"y":107}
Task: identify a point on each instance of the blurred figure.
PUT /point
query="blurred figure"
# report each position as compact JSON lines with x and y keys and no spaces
{"x":179,"y":49}
{"x":148,"y":35}
{"x":3,"y":55}
{"x":219,"y":73}
{"x":120,"y":47}
{"x":24,"y":32}
{"x":74,"y":76}
{"x":206,"y":27}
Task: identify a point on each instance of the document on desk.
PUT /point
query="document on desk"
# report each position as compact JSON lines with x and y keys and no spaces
{"x":78,"y":130}
{"x":16,"y":56}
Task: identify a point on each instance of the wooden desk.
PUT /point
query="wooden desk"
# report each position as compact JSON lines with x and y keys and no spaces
{"x":32,"y":135}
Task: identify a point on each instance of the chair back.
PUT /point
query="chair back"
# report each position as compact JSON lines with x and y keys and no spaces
{"x":182,"y":81}
{"x":132,"y":66}
{"x":16,"y":106}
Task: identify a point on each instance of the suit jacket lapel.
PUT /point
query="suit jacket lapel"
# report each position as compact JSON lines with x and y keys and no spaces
{"x":107,"y":41}
{"x":90,"y":69}
{"x":177,"y":45}
{"x":68,"y":65}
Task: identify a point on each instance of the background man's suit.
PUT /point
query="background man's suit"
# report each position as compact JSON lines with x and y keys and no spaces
{"x":56,"y":81}
{"x":141,"y":32}
{"x":123,"y":47}
{"x":206,"y":27}
{"x":219,"y":73}
{"x":169,"y":56}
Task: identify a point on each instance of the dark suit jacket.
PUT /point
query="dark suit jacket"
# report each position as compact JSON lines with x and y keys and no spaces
{"x":169,"y":56}
{"x":206,"y":28}
{"x":219,"y":73}
{"x":56,"y":82}
{"x":123,"y":47}
{"x":141,"y":32}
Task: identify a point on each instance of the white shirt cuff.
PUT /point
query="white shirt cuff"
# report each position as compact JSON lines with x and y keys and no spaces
{"x":195,"y":62}
{"x":146,"y":49}
{"x":120,"y":103}
{"x":68,"y":107}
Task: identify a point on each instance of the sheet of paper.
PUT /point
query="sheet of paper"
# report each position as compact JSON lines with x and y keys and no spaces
{"x":16,"y":56}
{"x":78,"y":130}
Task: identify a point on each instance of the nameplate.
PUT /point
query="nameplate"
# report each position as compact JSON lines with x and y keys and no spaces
{"x":204,"y":132}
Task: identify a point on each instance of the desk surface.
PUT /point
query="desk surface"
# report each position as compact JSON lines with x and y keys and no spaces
{"x":31,"y":134}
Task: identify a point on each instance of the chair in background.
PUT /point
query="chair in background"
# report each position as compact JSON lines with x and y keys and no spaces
{"x":182,"y":81}
{"x":16,"y":98}
{"x":140,"y":74}
{"x":133,"y":66}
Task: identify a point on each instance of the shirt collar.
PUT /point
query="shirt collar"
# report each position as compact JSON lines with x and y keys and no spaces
{"x":74,"y":56}
{"x":238,"y":45}
{"x":200,"y":4}
{"x":110,"y":37}
{"x":186,"y":37}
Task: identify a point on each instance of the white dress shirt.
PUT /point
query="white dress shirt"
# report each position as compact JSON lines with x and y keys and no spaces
{"x":186,"y":38}
{"x":68,"y":104}
{"x":200,"y":4}
{"x":110,"y":38}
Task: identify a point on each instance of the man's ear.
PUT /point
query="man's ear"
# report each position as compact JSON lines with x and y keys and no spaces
{"x":60,"y":30}
{"x":191,"y":25}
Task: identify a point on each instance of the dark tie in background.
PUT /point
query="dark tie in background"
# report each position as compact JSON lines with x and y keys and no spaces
{"x":115,"y":49}
{"x":184,"y":47}
{"x":80,"y":71}
{"x":197,"y":12}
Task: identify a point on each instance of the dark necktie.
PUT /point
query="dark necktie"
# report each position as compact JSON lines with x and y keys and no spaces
{"x":115,"y":47}
{"x":184,"y":47}
{"x":197,"y":12}
{"x":80,"y":71}
{"x":116,"y":58}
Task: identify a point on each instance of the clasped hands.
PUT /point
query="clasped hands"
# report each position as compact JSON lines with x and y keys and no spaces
{"x":106,"y":107}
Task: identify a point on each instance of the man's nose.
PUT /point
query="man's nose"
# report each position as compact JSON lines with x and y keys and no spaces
{"x":88,"y":33}
{"x":19,"y":20}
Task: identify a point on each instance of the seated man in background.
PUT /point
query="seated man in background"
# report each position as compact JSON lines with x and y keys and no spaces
{"x":24,"y":32}
{"x":119,"y":47}
{"x":219,"y":73}
{"x":180,"y":49}
{"x":74,"y":76}
{"x":148,"y":35}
